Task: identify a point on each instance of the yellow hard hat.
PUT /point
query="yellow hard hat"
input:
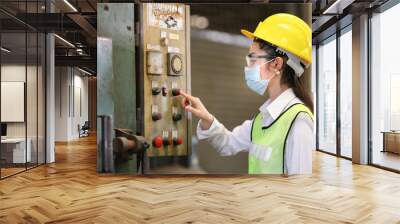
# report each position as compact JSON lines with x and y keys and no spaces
{"x":288,"y":32}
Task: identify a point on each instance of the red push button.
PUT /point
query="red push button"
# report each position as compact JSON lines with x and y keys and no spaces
{"x":157,"y":142}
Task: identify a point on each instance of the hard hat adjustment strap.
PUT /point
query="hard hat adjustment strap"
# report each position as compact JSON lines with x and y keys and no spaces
{"x":293,"y":61}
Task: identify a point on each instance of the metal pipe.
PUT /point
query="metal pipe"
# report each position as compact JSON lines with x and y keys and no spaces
{"x":104,"y":144}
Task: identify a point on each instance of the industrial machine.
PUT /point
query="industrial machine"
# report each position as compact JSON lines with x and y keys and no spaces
{"x":164,"y":48}
{"x":143,"y":63}
{"x":164,"y":53}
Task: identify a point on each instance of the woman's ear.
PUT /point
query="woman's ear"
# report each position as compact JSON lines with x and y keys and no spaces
{"x":278,"y":64}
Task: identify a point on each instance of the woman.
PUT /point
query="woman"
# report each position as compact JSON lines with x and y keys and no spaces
{"x":280,"y":139}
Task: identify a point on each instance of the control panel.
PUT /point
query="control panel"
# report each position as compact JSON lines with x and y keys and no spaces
{"x":166,"y":70}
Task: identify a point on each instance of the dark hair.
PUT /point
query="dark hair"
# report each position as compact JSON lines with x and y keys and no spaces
{"x":289,"y":77}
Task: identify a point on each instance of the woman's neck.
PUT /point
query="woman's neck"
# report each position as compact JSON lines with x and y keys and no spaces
{"x":275,"y":90}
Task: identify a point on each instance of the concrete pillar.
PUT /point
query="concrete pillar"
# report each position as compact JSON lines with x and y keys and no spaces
{"x":360,"y":89}
{"x":50,"y":92}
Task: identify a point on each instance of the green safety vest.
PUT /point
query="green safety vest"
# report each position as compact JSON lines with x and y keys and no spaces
{"x":267,"y":155}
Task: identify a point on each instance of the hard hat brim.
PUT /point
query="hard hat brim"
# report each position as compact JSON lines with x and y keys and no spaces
{"x":247,"y":33}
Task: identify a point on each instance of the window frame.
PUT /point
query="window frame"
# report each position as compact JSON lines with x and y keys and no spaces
{"x":334,"y":37}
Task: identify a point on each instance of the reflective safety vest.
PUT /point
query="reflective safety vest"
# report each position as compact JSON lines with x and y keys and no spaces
{"x":267,"y":154}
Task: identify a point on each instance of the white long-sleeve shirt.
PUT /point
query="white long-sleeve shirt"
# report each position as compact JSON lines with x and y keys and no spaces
{"x":299,"y":143}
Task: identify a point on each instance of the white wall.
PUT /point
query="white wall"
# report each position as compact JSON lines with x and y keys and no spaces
{"x":12,"y":100}
{"x":61,"y":103}
{"x":14,"y":73}
{"x":71,"y":93}
{"x":17,"y":73}
{"x":33,"y":126}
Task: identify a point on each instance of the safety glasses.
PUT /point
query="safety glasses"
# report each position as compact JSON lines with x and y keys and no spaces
{"x":251,"y":58}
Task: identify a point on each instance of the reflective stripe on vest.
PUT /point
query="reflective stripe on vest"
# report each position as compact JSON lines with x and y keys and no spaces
{"x":267,"y":153}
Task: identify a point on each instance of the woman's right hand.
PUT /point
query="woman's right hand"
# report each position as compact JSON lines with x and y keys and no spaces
{"x":195,"y":106}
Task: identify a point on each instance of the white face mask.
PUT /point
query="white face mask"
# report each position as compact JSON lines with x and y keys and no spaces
{"x":253,"y":78}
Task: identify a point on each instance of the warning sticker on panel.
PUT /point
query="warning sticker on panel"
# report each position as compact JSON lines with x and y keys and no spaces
{"x":167,"y":16}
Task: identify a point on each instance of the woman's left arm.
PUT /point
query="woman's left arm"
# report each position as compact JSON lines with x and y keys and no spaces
{"x":300,"y":145}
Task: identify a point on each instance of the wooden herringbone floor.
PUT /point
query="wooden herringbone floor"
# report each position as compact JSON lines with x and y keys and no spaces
{"x":70,"y":191}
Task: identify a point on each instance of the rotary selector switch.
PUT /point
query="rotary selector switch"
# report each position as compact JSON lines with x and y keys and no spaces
{"x":155,"y":89}
{"x":176,"y":92}
{"x":176,"y":115}
{"x":155,"y":115}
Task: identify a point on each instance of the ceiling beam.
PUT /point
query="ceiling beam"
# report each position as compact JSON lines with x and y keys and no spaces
{"x":82,"y":61}
{"x":84,"y":24}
